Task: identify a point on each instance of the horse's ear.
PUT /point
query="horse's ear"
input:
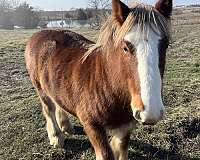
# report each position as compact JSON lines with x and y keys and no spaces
{"x":164,"y":7}
{"x":120,"y":11}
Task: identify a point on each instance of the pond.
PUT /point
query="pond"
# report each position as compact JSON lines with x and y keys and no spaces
{"x":68,"y":23}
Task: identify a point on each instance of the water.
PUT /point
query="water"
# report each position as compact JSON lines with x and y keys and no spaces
{"x":68,"y":23}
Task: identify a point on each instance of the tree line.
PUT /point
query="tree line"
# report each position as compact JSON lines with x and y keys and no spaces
{"x":13,"y":13}
{"x":96,"y":10}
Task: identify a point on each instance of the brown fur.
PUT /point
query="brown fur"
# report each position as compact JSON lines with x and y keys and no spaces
{"x":74,"y":85}
{"x":95,"y":84}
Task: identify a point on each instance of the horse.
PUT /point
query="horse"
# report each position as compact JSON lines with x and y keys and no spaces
{"x":110,"y":85}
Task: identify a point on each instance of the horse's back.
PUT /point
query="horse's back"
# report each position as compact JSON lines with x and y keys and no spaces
{"x":53,"y":46}
{"x":60,"y":39}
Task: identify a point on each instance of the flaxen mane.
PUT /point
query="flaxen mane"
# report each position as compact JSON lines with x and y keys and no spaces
{"x":112,"y":32}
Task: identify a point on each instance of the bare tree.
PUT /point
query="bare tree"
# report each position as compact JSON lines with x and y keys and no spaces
{"x":100,"y":9}
{"x":103,"y":4}
{"x":6,"y":13}
{"x":8,"y":4}
{"x":99,"y":4}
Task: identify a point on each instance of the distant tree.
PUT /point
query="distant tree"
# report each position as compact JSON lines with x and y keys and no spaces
{"x":6,"y":21}
{"x":68,"y":20}
{"x":89,"y":13}
{"x":6,"y":13}
{"x":81,"y":15}
{"x":99,"y":4}
{"x":26,"y":16}
{"x":194,"y":5}
{"x":100,"y":8}
{"x":8,"y":4}
{"x":68,"y":15}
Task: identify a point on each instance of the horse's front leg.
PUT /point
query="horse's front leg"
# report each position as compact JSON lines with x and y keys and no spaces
{"x":120,"y":140}
{"x":98,"y":138}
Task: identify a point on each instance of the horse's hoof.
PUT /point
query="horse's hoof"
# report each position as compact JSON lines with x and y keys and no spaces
{"x":57,"y":141}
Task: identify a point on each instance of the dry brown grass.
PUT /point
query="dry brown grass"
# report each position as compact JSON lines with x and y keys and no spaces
{"x":22,"y":127}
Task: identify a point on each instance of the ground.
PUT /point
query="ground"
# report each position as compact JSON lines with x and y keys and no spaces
{"x":22,"y":126}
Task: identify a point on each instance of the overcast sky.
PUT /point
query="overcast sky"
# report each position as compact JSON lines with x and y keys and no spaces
{"x":68,"y":4}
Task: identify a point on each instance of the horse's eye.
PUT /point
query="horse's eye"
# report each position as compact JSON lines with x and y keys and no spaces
{"x":128,"y":47}
{"x":125,"y":49}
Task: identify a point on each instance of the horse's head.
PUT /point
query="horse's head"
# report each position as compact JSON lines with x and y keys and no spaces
{"x":144,"y":44}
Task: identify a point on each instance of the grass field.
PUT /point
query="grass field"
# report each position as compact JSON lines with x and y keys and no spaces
{"x":22,"y":126}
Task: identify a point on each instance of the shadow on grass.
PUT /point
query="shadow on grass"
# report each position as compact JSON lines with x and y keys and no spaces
{"x":140,"y":150}
{"x":74,"y":147}
{"x":146,"y":151}
{"x":79,"y":130}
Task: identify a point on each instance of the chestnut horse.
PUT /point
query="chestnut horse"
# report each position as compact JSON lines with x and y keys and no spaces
{"x":110,"y":85}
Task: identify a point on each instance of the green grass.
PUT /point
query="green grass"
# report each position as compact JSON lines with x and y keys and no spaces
{"x":22,"y":126}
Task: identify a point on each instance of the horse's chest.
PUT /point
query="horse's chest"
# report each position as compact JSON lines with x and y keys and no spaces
{"x":115,"y":116}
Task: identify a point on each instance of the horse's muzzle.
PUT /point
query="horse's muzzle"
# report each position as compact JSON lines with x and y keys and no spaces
{"x":146,"y":118}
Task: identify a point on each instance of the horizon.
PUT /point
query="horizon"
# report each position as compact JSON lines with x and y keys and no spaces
{"x":47,"y":5}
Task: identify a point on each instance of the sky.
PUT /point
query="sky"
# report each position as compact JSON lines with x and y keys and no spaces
{"x":68,"y":4}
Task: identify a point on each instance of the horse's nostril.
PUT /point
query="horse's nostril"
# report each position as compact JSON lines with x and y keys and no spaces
{"x":137,"y":115}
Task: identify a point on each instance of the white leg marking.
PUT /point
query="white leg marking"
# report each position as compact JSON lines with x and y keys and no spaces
{"x":54,"y":133}
{"x":99,"y":157}
{"x":120,"y":150}
{"x":55,"y":136}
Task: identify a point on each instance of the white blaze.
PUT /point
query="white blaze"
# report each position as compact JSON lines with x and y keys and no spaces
{"x":146,"y":43}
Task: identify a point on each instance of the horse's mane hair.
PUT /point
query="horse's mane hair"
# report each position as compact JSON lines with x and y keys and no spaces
{"x":111,"y":32}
